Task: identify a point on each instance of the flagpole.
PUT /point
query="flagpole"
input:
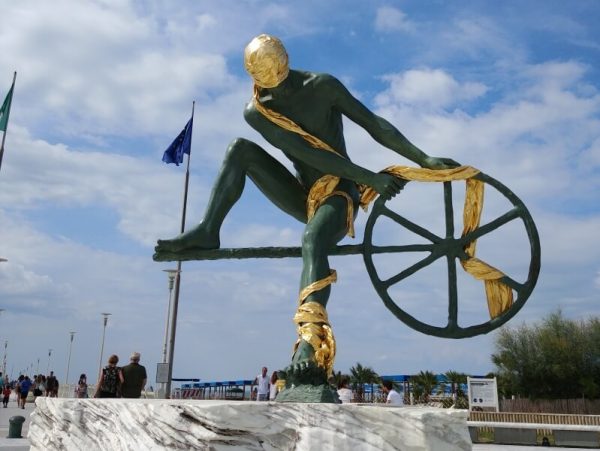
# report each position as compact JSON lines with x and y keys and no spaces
{"x":173,"y":325}
{"x":6,"y":128}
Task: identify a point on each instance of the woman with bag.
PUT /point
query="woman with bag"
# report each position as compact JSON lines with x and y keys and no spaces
{"x":110,"y":380}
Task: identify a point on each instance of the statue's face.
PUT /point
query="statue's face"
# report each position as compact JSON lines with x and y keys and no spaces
{"x":266,"y":61}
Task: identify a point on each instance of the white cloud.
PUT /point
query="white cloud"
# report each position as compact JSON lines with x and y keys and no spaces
{"x":427,"y":88}
{"x":389,"y":19}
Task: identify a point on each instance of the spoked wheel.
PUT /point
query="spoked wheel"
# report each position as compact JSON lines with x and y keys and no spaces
{"x":451,"y":249}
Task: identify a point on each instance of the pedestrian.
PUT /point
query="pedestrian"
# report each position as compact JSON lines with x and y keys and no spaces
{"x":110,"y":379}
{"x":393,"y":397}
{"x":51,"y":385}
{"x":134,"y":377}
{"x":344,"y":393}
{"x":5,"y":395}
{"x":82,"y":387}
{"x":273,"y":386}
{"x":24,"y":387}
{"x":262,"y":380}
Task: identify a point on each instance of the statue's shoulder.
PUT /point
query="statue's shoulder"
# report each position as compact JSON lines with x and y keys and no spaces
{"x":318,"y":79}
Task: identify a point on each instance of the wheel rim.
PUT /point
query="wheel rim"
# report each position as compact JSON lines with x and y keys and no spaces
{"x":451,"y":249}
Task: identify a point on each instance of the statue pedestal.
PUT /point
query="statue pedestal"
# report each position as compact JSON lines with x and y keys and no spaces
{"x":140,"y":424}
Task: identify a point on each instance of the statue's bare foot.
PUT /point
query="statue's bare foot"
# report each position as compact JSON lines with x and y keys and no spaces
{"x":196,"y":238}
{"x":304,"y":369}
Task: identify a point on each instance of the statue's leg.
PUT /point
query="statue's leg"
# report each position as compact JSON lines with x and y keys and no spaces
{"x":315,"y":344}
{"x":243,"y":158}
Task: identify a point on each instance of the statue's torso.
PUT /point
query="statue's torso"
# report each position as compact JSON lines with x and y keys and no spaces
{"x":310,"y":104}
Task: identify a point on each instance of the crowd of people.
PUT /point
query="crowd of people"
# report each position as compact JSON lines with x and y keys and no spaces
{"x":39,"y":385}
{"x":115,"y":382}
{"x":267,"y":388}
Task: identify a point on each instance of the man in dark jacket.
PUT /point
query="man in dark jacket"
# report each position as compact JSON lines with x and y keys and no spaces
{"x":134,"y":377}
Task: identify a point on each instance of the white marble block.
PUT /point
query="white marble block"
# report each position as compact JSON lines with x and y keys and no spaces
{"x":139,"y":424}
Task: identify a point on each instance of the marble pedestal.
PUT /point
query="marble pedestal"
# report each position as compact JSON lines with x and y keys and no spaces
{"x":125,"y":424}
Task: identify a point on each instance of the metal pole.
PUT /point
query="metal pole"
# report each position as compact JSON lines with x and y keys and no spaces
{"x":69,"y":359}
{"x":48,"y":367}
{"x":37,"y":370}
{"x":171,"y":273}
{"x":5,"y":343}
{"x":105,"y":316}
{"x":4,"y":360}
{"x":173,"y":325}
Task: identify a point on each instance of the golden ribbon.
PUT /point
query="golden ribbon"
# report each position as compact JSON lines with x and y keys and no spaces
{"x":314,"y":328}
{"x":499,"y":295}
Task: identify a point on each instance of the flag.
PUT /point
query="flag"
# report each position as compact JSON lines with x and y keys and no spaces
{"x":5,"y":110}
{"x":181,"y":145}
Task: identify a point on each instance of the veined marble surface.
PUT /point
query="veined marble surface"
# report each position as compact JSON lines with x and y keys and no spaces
{"x":139,"y":424}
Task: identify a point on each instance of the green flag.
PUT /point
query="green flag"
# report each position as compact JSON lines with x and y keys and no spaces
{"x":5,"y":110}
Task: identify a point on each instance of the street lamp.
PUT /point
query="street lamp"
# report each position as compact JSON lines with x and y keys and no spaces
{"x":171,"y":273}
{"x":48,"y":367}
{"x":69,"y":360}
{"x":105,"y":317}
{"x":4,"y":360}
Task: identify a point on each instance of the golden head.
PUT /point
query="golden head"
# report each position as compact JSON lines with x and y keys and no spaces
{"x":266,"y":61}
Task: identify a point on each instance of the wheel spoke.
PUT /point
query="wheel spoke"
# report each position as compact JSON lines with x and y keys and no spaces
{"x":452,"y":294}
{"x":512,"y":283}
{"x":411,"y":270}
{"x":406,"y":248}
{"x":411,"y":225}
{"x":449,"y":209}
{"x":490,"y":226}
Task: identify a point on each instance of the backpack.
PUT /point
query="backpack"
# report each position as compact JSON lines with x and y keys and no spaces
{"x":110,"y":379}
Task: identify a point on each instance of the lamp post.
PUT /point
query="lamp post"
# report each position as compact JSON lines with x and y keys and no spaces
{"x":105,"y":318}
{"x":69,"y":359}
{"x":171,"y":273}
{"x":172,"y":328}
{"x":4,"y":360}
{"x":5,"y":341}
{"x":48,"y":367}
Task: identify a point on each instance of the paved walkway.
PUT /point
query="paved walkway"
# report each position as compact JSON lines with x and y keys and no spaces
{"x":14,"y":444}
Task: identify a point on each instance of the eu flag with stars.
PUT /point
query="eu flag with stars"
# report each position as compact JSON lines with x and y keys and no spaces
{"x":181,"y":145}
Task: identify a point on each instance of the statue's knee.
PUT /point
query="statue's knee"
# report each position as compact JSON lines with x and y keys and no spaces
{"x":240,"y":149}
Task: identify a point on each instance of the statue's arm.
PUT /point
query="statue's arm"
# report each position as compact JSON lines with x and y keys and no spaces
{"x":296,"y":148}
{"x":380,"y":129}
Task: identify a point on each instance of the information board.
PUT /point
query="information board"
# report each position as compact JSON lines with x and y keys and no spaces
{"x":482,"y":393}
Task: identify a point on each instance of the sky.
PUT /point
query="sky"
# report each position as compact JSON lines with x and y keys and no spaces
{"x":104,"y":86}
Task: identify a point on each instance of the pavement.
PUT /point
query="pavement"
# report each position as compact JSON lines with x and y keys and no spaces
{"x":14,"y":444}
{"x":22,"y":444}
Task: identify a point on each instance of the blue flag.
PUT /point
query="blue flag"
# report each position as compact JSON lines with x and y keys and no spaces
{"x":182,"y":144}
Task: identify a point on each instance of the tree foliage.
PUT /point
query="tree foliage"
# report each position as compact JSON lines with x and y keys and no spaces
{"x":360,"y":375}
{"x":557,"y":358}
{"x":423,"y":385}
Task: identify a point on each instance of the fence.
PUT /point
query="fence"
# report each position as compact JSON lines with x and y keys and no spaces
{"x":562,"y":406}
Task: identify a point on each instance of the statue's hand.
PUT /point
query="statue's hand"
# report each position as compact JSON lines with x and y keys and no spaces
{"x":439,"y":163}
{"x":387,"y":185}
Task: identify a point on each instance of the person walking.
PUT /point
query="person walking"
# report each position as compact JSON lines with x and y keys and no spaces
{"x":393,"y":397}
{"x":110,"y":380}
{"x":24,"y":387}
{"x":82,"y":387}
{"x":273,"y":386}
{"x":51,"y":385}
{"x":5,"y":394}
{"x":263,"y":385}
{"x":134,"y":377}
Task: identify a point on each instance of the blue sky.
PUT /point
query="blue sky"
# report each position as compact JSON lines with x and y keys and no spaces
{"x":511,"y":88}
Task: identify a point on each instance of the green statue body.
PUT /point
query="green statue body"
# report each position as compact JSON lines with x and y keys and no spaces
{"x":315,"y":102}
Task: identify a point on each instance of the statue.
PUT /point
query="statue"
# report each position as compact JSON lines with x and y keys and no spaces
{"x":300,"y":113}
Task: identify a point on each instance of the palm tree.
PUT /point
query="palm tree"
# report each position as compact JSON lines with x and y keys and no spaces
{"x":359,"y":376}
{"x":423,"y":385}
{"x":455,"y":379}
